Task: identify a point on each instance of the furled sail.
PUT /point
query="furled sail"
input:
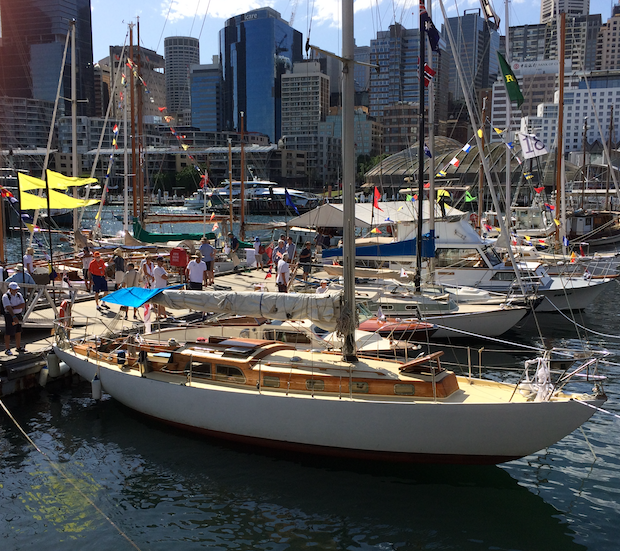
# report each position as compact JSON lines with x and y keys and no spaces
{"x":323,"y":310}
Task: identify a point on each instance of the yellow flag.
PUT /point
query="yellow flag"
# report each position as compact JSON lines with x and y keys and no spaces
{"x":60,"y":181}
{"x":557,"y":222}
{"x":498,"y":130}
{"x":27,"y":201}
{"x":29,"y":182}
{"x":185,"y":147}
{"x":480,"y":132}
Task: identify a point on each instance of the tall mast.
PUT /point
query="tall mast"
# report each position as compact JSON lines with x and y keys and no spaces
{"x":230,"y":186}
{"x":73,"y":121}
{"x":133,"y":124}
{"x":139,"y":98}
{"x":480,"y":167}
{"x":609,"y":165}
{"x":125,"y":165}
{"x":348,"y":182}
{"x":242,"y":205}
{"x":431,"y":161}
{"x":508,"y":121}
{"x":583,"y":166}
{"x":559,"y":163}
{"x":418,"y":250}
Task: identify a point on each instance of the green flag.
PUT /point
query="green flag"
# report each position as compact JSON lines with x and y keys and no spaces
{"x":469,"y":198}
{"x":512,"y":86}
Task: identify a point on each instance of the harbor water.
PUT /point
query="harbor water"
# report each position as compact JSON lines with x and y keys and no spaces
{"x":96,"y":475}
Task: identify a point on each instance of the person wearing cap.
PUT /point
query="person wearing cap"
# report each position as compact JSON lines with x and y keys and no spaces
{"x":283,"y":273}
{"x":196,"y":273}
{"x":96,"y":269}
{"x":20,"y":276}
{"x":13,"y":304}
{"x":119,"y":267}
{"x":87,"y":258}
{"x":208,"y":255}
{"x":323,"y":288}
{"x":233,"y":244}
{"x":161,"y":281}
{"x":130,"y":279}
{"x":29,"y":260}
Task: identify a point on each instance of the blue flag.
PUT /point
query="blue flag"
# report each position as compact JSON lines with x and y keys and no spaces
{"x":431,"y":31}
{"x":289,"y":201}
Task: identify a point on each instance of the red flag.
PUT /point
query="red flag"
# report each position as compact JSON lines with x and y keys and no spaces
{"x":375,"y":202}
{"x":427,"y":185}
{"x":429,"y":73}
{"x":162,"y":109}
{"x":204,"y":180}
{"x":539,"y":189}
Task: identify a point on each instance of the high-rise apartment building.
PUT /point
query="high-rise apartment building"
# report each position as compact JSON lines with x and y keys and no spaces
{"x":256,"y":49}
{"x":206,"y":96}
{"x":608,"y":45}
{"x":305,"y":98}
{"x":580,"y":42}
{"x":33,"y":35}
{"x":476,"y":43}
{"x":527,"y":42}
{"x":180,"y":53}
{"x":569,"y":7}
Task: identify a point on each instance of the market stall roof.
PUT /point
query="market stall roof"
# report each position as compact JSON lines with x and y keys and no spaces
{"x":330,"y":215}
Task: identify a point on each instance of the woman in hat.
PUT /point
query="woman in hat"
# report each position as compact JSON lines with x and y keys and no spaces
{"x":13,"y":303}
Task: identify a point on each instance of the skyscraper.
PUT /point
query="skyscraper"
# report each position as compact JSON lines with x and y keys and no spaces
{"x":476,"y":45}
{"x":205,"y":83}
{"x":569,"y":7}
{"x":180,"y":53}
{"x":256,"y":49}
{"x":33,"y":35}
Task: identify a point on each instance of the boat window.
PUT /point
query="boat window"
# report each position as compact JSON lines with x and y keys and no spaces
{"x":269,"y":335}
{"x":404,"y":390}
{"x":294,"y":337}
{"x":313,"y":384}
{"x":468,"y":258}
{"x":270,"y":381}
{"x":492,"y":256}
{"x":229,"y":373}
{"x":503,"y":276}
{"x":245,"y":334}
{"x":360,"y":387}
{"x":200,"y":369}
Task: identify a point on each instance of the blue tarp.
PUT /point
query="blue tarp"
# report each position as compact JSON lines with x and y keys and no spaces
{"x":134,"y":297}
{"x":386,"y":250}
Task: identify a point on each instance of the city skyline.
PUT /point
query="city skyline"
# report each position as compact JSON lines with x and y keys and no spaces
{"x":110,"y":18}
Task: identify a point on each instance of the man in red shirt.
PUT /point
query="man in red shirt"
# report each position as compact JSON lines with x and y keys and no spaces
{"x":96,"y":269}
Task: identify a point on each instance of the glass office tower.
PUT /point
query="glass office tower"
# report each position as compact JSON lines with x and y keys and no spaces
{"x":256,"y":49}
{"x":33,"y":34}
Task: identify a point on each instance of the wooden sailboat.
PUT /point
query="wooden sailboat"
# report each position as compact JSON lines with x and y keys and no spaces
{"x":271,"y":394}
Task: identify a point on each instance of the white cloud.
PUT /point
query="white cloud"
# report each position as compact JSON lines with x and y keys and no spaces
{"x":219,"y":9}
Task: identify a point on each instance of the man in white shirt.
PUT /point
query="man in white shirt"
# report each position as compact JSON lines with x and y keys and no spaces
{"x":161,"y":281}
{"x":323,"y":288}
{"x":283,"y":274}
{"x":13,"y":304}
{"x":208,"y":254}
{"x":196,"y":273}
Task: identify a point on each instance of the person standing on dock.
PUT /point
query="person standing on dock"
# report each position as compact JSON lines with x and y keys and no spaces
{"x":146,"y":271}
{"x":29,"y":260}
{"x":97,"y":273}
{"x":279,"y":250}
{"x":161,"y":281}
{"x":13,"y":304}
{"x":20,"y":276}
{"x":234,"y":247}
{"x":208,"y":255}
{"x":130,"y":279}
{"x":305,"y":259}
{"x":196,"y":273}
{"x":119,"y":267}
{"x":291,"y":249}
{"x":87,"y":258}
{"x":283,"y":274}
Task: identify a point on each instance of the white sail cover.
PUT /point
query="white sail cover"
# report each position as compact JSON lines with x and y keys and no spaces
{"x":323,"y":310}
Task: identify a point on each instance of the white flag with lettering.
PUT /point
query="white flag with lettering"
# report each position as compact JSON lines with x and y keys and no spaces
{"x":531,"y":145}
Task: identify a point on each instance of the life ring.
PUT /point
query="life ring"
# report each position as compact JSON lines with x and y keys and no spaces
{"x":473,"y":218}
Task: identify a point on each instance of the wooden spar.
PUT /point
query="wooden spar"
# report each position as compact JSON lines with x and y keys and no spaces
{"x":481,"y":168}
{"x":230,"y":190}
{"x":418,"y":254}
{"x":609,"y":165}
{"x":139,"y":127}
{"x":133,"y":125}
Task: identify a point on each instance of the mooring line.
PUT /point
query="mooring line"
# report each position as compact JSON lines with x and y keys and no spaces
{"x":63,"y":475}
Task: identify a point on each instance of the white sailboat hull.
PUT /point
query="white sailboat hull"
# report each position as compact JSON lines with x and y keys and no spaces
{"x":398,"y":429}
{"x":491,"y":323}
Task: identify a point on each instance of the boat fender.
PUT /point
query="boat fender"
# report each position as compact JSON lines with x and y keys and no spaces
{"x":121,"y":357}
{"x":96,"y":388}
{"x":63,"y":368}
{"x":43,"y":374}
{"x":53,"y":365}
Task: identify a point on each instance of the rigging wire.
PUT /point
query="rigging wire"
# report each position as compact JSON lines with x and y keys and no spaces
{"x":195,"y":16}
{"x":164,"y":27}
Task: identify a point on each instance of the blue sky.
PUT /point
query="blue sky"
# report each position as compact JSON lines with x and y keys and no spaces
{"x":187,"y":18}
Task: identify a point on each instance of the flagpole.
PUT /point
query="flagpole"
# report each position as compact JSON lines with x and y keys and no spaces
{"x":508,"y":121}
{"x":49,"y":221}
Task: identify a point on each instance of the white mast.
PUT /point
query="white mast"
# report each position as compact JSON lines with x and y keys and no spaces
{"x":73,"y":120}
{"x":508,"y":124}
